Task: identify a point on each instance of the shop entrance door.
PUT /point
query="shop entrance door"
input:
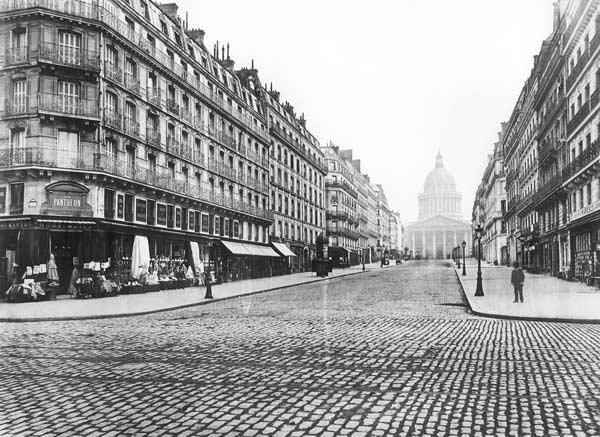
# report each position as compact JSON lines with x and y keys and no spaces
{"x":64,"y":246}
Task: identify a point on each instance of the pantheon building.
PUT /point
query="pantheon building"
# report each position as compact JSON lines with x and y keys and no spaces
{"x":440,"y":226}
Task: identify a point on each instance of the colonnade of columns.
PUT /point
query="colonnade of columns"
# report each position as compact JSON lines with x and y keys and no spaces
{"x":427,"y":243}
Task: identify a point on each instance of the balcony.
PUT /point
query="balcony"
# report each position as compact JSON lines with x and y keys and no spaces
{"x":16,"y":107}
{"x":524,"y":203}
{"x":173,"y":106}
{"x":548,"y":150}
{"x":153,"y":136}
{"x":342,"y":185}
{"x":69,"y":57}
{"x":76,"y":8}
{"x":552,"y":186}
{"x":132,"y":84}
{"x":112,"y":72}
{"x":16,"y":56}
{"x":338,"y":230}
{"x":578,"y":117}
{"x":131,"y":127}
{"x":173,"y":145}
{"x":186,"y":116}
{"x":154,"y":96}
{"x":68,"y":106}
{"x":588,"y":155}
{"x":222,"y":169}
{"x":112,"y":118}
{"x":336,"y":214}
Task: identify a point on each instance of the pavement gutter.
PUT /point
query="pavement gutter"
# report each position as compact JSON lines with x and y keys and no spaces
{"x":161,"y":310}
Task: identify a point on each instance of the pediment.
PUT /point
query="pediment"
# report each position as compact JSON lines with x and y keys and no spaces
{"x":439,"y":221}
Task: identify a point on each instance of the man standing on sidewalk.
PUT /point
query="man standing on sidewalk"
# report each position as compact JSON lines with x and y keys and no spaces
{"x":516,"y":279}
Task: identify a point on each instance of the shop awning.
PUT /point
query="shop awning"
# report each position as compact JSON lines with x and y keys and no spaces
{"x":249,"y":249}
{"x":236,"y":248}
{"x":283,"y":249}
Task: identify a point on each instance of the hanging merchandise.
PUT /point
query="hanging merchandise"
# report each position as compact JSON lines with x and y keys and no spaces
{"x":140,"y":256}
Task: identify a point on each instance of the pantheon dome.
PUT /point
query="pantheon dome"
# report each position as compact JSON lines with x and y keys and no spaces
{"x":440,"y":196}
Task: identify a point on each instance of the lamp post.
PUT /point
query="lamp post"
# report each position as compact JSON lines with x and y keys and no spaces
{"x":478,"y":234}
{"x":464,"y":245}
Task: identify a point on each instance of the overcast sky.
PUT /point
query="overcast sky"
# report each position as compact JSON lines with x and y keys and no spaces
{"x":394,"y":80}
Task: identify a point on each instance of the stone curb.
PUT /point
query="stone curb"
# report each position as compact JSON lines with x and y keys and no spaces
{"x":522,"y":318}
{"x":173,"y":308}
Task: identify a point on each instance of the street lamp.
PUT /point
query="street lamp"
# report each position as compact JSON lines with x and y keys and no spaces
{"x":464,"y":245}
{"x":478,"y":234}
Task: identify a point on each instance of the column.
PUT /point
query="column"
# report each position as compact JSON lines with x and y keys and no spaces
{"x":434,"y":254}
{"x":455,"y":245}
{"x":413,"y":247}
{"x":423,"y":237}
{"x":444,"y":246}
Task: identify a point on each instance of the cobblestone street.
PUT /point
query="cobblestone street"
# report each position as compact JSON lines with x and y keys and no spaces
{"x":389,"y":352}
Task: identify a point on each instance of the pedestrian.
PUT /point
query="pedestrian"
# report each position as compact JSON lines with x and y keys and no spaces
{"x":516,"y":279}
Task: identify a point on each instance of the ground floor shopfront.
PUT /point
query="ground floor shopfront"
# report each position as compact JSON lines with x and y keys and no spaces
{"x":80,"y":248}
{"x":343,"y":257}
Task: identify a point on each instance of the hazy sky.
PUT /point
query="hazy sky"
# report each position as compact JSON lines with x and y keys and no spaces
{"x":394,"y":80}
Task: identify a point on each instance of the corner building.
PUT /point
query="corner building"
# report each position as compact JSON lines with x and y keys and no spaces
{"x":118,"y":122}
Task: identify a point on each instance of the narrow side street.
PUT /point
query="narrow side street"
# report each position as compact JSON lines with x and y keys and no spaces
{"x":393,"y":351}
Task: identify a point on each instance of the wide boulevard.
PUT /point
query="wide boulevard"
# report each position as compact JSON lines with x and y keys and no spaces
{"x":390,"y":351}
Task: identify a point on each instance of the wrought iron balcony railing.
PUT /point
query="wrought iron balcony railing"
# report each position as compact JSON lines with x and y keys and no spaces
{"x":69,"y":56}
{"x":66,"y":105}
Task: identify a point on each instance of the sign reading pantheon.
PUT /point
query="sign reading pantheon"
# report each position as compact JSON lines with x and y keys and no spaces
{"x":440,"y":226}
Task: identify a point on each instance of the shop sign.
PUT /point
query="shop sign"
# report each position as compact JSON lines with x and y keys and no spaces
{"x":586,"y":210}
{"x":67,"y":199}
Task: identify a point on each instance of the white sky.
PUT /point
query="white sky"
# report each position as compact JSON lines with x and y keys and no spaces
{"x":395,"y":80}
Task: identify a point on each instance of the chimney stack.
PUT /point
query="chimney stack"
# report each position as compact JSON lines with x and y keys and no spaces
{"x":197,"y":35}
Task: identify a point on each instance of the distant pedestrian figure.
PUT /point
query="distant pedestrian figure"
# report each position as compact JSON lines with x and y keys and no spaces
{"x":516,"y":279}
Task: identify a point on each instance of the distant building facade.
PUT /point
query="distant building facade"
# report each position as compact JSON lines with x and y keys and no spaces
{"x":440,"y":227}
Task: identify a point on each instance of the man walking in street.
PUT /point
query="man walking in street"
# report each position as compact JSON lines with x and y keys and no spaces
{"x":516,"y":279}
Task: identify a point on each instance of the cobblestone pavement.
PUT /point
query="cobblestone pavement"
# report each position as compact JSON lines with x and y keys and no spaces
{"x":389,"y":352}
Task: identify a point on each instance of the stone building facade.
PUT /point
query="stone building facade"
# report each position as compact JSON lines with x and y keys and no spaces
{"x":440,"y":227}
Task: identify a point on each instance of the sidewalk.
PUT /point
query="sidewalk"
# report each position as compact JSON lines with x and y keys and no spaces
{"x":138,"y":304}
{"x":545,"y":297}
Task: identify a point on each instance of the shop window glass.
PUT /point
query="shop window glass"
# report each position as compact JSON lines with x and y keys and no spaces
{"x":211,"y":223}
{"x":140,"y":210}
{"x":120,"y":206}
{"x":236,"y":229}
{"x":150,"y":212}
{"x":109,"y":204}
{"x":191,"y":220}
{"x":217,"y":226}
{"x":226,"y":228}
{"x":2,"y":200}
{"x":170,"y":216}
{"x":178,"y":217}
{"x":161,"y":214}
{"x":204,"y":223}
{"x":129,"y":207}
{"x":17,"y":195}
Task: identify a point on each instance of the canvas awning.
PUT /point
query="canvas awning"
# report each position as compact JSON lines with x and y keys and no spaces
{"x":236,"y":248}
{"x":283,"y":249}
{"x":249,"y":249}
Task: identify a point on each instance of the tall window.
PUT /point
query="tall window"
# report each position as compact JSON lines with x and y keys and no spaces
{"x":17,"y":140}
{"x":18,"y":46}
{"x":19,"y":96}
{"x":130,"y":71}
{"x":68,"y":97}
{"x":131,"y":157}
{"x":69,"y":47}
{"x":67,"y":149}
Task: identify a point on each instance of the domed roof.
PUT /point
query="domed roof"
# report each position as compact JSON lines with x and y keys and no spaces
{"x":439,"y":179}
